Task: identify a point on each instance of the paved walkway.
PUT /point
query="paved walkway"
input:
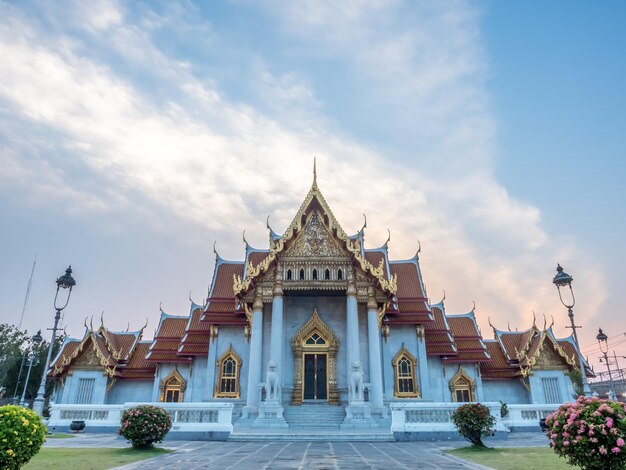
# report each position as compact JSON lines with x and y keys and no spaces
{"x":302,"y":455}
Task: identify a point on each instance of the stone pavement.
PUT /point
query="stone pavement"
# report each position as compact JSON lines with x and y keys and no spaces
{"x":302,"y":455}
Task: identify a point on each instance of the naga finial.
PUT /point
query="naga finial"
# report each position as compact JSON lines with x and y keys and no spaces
{"x":364,"y":223}
{"x":102,"y":319}
{"x":388,"y":237}
{"x":495,"y":334}
{"x":443,"y":298}
{"x":244,"y":238}
{"x":419,"y":249}
{"x":545,"y":322}
{"x":552,"y":324}
{"x":474,"y":305}
{"x":534,"y":319}
{"x":161,"y":306}
{"x":215,"y":248}
{"x":508,"y":325}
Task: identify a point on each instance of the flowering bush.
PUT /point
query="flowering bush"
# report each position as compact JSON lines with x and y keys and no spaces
{"x":473,"y":421}
{"x":21,"y":436}
{"x":143,"y":425}
{"x":590,"y":433}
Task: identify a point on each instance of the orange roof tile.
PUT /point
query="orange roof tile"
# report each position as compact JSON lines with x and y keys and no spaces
{"x":409,"y":285}
{"x":498,"y":367}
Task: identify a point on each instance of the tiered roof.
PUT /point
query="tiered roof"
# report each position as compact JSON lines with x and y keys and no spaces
{"x":167,"y":340}
{"x":453,"y":338}
{"x":122,"y":354}
{"x":517,"y":353}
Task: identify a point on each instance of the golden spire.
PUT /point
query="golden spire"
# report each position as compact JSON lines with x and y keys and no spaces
{"x":314,"y":172}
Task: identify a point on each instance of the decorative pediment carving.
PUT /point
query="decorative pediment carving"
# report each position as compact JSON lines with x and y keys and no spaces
{"x":88,"y":360}
{"x":546,"y":359}
{"x":315,"y":241}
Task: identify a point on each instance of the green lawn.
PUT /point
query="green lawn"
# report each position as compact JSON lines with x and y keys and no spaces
{"x":88,"y":459}
{"x":531,"y":458}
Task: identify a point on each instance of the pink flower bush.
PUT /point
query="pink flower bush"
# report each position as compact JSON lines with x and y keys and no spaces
{"x":600,"y":430}
{"x":145,"y":425}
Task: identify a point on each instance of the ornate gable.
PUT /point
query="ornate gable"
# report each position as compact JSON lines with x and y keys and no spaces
{"x":315,"y":233}
{"x":314,"y":241}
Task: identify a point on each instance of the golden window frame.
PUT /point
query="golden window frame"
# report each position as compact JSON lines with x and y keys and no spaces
{"x":173,"y":382}
{"x":228,"y":355}
{"x":460,"y":382}
{"x":404,"y":356}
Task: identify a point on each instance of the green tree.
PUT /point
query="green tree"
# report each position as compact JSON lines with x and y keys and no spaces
{"x":12,"y":343}
{"x":14,"y":347}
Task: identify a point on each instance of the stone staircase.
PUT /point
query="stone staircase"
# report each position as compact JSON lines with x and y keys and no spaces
{"x":313,"y":422}
{"x":314,"y":415}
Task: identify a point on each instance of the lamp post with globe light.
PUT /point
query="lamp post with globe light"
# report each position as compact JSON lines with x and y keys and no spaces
{"x":64,"y":282}
{"x":564,"y":280}
{"x":603,"y":341}
{"x":37,"y":339}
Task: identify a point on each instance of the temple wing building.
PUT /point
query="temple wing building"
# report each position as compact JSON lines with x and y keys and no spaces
{"x":316,"y":319}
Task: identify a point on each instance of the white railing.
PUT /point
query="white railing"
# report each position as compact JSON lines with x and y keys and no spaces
{"x":432,"y":417}
{"x":216,"y":417}
{"x":527,"y":416}
{"x":94,"y":415}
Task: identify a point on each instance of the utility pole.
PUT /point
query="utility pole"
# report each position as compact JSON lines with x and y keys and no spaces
{"x":30,"y":283}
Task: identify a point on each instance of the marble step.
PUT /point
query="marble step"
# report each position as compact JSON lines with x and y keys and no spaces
{"x":313,"y":435}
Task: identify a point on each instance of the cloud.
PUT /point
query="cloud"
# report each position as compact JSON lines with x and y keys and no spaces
{"x":196,"y":154}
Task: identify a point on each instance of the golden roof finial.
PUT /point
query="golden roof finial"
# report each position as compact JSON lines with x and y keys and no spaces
{"x":315,"y":172}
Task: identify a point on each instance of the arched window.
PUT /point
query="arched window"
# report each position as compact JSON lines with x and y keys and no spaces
{"x":404,"y":366}
{"x":327,"y":274}
{"x":315,"y":274}
{"x":302,"y":274}
{"x":229,"y":366}
{"x":289,"y":274}
{"x":462,"y":387}
{"x":339,"y":275}
{"x":173,"y":387}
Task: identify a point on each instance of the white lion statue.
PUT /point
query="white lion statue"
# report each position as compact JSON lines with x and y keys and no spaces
{"x":273,"y":383}
{"x":355,"y":384}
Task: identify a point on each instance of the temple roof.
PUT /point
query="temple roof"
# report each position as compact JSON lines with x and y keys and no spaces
{"x":352,"y":245}
{"x":439,"y":339}
{"x":120,"y":354}
{"x":468,"y":340}
{"x":518,"y":353}
{"x":167,"y":339}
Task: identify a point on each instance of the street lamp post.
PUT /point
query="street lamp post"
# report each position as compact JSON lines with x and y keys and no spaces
{"x":37,"y":339}
{"x":64,"y":282}
{"x":564,"y":280}
{"x":603,"y":341}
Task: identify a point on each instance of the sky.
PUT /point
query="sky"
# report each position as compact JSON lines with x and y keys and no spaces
{"x":135,"y":135}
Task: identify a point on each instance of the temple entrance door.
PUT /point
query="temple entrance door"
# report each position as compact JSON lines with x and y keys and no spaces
{"x":315,"y":377}
{"x":315,"y":363}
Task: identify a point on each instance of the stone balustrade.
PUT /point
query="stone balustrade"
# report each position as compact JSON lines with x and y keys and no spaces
{"x":526,"y":417}
{"x":189,"y":420}
{"x":414,"y":421}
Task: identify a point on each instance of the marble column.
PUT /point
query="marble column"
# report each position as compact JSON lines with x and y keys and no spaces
{"x":352,"y":326}
{"x":277,"y":336}
{"x":255,"y":368}
{"x":376,"y":376}
{"x":211,"y":359}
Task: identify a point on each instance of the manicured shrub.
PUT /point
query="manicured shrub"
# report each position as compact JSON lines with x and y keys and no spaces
{"x":590,"y":433}
{"x":21,"y":436}
{"x":144,"y":425}
{"x":473,"y":421}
